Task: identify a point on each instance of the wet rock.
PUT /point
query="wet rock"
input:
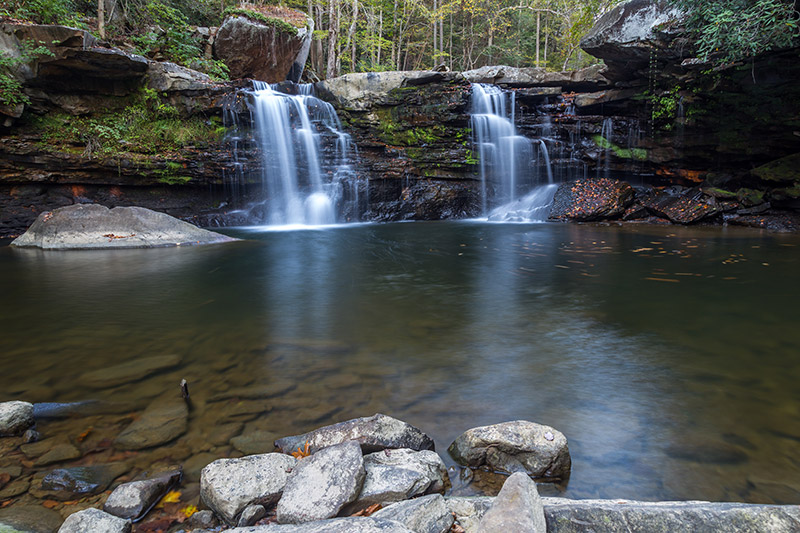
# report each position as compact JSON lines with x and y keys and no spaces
{"x":77,"y":481}
{"x":266,"y":52}
{"x":164,"y":419}
{"x":251,"y":514}
{"x":469,"y":511}
{"x":202,"y":520}
{"x":336,"y":525}
{"x":517,"y":508}
{"x":255,"y":392}
{"x":681,"y":209}
{"x":59,"y":453}
{"x":591,"y":199}
{"x":574,"y":516}
{"x":427,"y":514}
{"x":15,"y":418}
{"x":322,"y":484}
{"x":374,"y":433}
{"x":31,"y":435}
{"x":132,"y":500}
{"x":786,"y":169}
{"x":539,"y":450}
{"x":193,"y":466}
{"x":227,"y":486}
{"x":625,"y":36}
{"x":124,"y":373}
{"x":90,"y":226}
{"x":707,"y":453}
{"x":254,"y":442}
{"x":29,"y":519}
{"x":96,"y":521}
{"x":780,"y":223}
{"x":395,"y":475}
{"x":15,"y":488}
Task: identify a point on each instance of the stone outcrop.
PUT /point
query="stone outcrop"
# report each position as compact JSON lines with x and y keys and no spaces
{"x":92,"y":226}
{"x":519,"y":446}
{"x":585,"y":79}
{"x":271,"y":52}
{"x":591,"y":199}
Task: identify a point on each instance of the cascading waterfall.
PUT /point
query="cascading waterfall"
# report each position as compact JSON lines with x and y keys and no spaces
{"x":509,"y":163}
{"x":303,"y":184}
{"x":606,"y":131}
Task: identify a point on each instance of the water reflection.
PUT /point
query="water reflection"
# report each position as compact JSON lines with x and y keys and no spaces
{"x":667,"y":356}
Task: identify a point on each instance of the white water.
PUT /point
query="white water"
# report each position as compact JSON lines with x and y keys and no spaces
{"x":302,"y":185}
{"x":509,"y":163}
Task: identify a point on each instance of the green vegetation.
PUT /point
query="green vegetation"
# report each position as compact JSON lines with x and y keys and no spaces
{"x":732,"y":30}
{"x":638,"y":154}
{"x":145,"y":126}
{"x":280,"y":25}
{"x":10,"y":87}
{"x":170,"y":174}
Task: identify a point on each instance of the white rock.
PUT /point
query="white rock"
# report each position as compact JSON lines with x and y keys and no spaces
{"x":94,"y":521}
{"x":15,"y":418}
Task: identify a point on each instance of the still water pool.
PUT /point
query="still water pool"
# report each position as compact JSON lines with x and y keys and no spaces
{"x":669,"y":357}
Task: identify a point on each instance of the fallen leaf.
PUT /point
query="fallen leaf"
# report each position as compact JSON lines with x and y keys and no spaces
{"x":172,"y":496}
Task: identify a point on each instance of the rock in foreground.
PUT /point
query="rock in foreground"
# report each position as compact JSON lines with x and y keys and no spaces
{"x":15,"y":418}
{"x":132,"y":500}
{"x":96,"y":521}
{"x":374,"y":433}
{"x":93,"y":226}
{"x":517,"y":508}
{"x":591,"y":199}
{"x":519,"y":446}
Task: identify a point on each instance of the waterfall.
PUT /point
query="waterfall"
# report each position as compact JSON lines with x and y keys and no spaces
{"x":509,"y":163}
{"x":606,"y":131}
{"x":303,"y":184}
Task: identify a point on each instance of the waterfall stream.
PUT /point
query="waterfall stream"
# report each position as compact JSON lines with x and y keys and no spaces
{"x":303,"y":184}
{"x":509,"y":163}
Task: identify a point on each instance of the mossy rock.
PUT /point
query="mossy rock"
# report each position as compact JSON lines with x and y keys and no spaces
{"x":787,"y":193}
{"x":783,"y":169}
{"x":716,"y":192}
{"x":750,"y":197}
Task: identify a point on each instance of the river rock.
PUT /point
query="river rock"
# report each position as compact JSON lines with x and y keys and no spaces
{"x":517,"y":508}
{"x":227,"y":486}
{"x":202,"y":520}
{"x":132,"y":500}
{"x":427,"y":514}
{"x":591,"y":199}
{"x":96,"y":521}
{"x":164,"y":419}
{"x":92,"y":226}
{"x":469,"y":511}
{"x":266,"y":52}
{"x":625,"y":36}
{"x":29,"y":519}
{"x":337,"y":525}
{"x":78,"y":481}
{"x":15,"y":418}
{"x":395,"y":475}
{"x":322,"y":484}
{"x":608,"y":516}
{"x":254,"y":442}
{"x":251,"y":514}
{"x":127,"y":372}
{"x":538,"y":450}
{"x":58,"y":454}
{"x":374,"y":433}
{"x":681,"y":209}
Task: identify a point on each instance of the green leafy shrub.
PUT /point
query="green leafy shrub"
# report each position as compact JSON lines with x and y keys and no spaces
{"x":63,"y":12}
{"x":10,"y":87}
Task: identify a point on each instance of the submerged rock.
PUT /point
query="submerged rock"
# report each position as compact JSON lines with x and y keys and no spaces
{"x":165,"y":419}
{"x":15,"y":418}
{"x":228,"y":486}
{"x":591,"y":199}
{"x":127,"y":372}
{"x":427,"y":514}
{"x":132,"y":500}
{"x":517,"y":508}
{"x":538,"y":450}
{"x":373,"y":433}
{"x":96,"y":521}
{"x":92,"y":226}
{"x":322,"y":484}
{"x":29,"y":519}
{"x":77,"y":481}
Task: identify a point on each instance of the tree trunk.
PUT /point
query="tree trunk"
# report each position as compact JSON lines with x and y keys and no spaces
{"x":101,"y":15}
{"x":538,"y":17}
{"x":435,"y":37}
{"x":333,"y":37}
{"x":380,"y":35}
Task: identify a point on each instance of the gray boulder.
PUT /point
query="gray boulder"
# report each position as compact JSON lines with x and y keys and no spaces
{"x":360,"y":91}
{"x":227,"y":486}
{"x":589,"y":78}
{"x":519,"y":446}
{"x":336,"y":525}
{"x":133,"y":500}
{"x":165,"y":419}
{"x":92,"y":226}
{"x":612,"y":516}
{"x":127,"y":372}
{"x":322,"y":484}
{"x":374,"y":433}
{"x":625,"y":36}
{"x":251,"y":514}
{"x":427,"y":514}
{"x":15,"y":418}
{"x":96,"y":521}
{"x":169,"y":77}
{"x":517,"y":508}
{"x":468,"y":511}
{"x":266,"y":52}
{"x":396,"y":475}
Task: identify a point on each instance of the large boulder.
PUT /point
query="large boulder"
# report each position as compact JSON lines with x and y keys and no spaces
{"x":270,"y":48}
{"x":132,"y":500}
{"x":519,"y":446}
{"x":93,"y":226}
{"x":322,"y":484}
{"x":228,"y":486}
{"x":373,"y":433}
{"x":625,"y":37}
{"x":15,"y":418}
{"x":361,"y":91}
{"x":428,"y":514}
{"x":96,"y":521}
{"x":591,"y":199}
{"x":517,"y":508}
{"x":681,"y":208}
